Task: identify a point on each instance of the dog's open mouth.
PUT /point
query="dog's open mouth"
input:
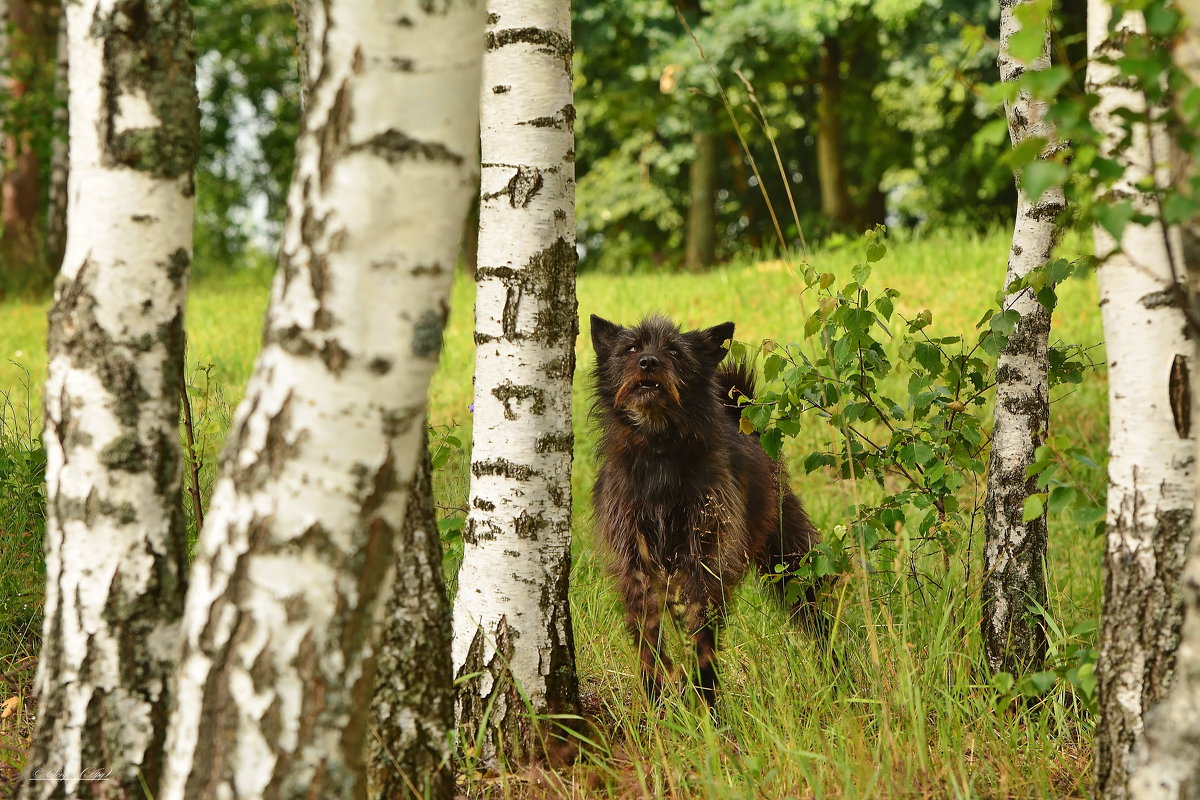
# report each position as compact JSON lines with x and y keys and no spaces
{"x":646,"y":391}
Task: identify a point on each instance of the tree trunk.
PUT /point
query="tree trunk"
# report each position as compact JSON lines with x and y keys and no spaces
{"x":733,"y":151}
{"x":295,"y":557}
{"x":303,"y":10}
{"x":115,"y":545}
{"x":19,"y":244}
{"x":56,"y":212}
{"x":831,"y":167}
{"x":412,"y":713}
{"x":1151,"y":450}
{"x":1014,"y":638}
{"x":1187,"y":60}
{"x":1167,"y":765}
{"x":701,"y":245}
{"x":512,"y":626}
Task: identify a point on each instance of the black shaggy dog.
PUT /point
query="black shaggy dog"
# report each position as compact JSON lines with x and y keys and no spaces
{"x":685,"y":501}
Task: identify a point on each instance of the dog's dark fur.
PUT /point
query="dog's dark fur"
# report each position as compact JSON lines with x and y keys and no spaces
{"x":686,"y":502}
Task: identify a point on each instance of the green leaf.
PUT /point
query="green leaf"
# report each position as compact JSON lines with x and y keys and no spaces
{"x":928,"y":357}
{"x":1061,"y":497}
{"x":1040,"y":175}
{"x":1045,"y":83}
{"x":1005,"y":322}
{"x":1178,"y":208}
{"x":759,"y":416}
{"x":772,"y":366}
{"x":1034,"y":506}
{"x":816,"y":460}
{"x":1047,"y":298}
{"x":1038,"y":467}
{"x":812,"y":324}
{"x":1043,"y":681}
{"x":1161,"y":19}
{"x":1113,"y":217}
{"x":884,"y":306}
{"x":772,"y":442}
{"x":1059,"y":270}
{"x":920,"y":321}
{"x":1027,"y":44}
{"x":875,"y":251}
{"x":1003,"y":682}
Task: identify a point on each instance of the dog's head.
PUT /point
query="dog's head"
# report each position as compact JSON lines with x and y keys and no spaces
{"x":653,"y":372}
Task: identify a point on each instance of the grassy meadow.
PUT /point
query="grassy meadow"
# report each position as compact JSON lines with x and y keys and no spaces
{"x":906,"y":713}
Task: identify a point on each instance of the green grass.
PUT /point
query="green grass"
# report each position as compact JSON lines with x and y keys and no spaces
{"x":907,"y":714}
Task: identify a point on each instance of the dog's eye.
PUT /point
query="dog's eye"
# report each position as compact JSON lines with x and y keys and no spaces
{"x":673,"y":352}
{"x":633,"y":349}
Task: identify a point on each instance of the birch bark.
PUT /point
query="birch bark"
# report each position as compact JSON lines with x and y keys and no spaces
{"x":1167,"y":765}
{"x":1151,"y":448}
{"x":115,"y":548}
{"x":1014,"y":550}
{"x":297,"y":550}
{"x":512,"y":626}
{"x":413,"y":707}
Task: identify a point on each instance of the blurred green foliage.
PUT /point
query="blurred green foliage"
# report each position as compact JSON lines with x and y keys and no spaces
{"x":909,"y":114}
{"x":922,"y":139}
{"x":250,"y":118}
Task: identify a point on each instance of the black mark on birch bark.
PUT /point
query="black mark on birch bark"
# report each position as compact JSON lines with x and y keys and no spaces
{"x":1180,"y":388}
{"x":149,"y":58}
{"x":545,"y":41}
{"x":427,"y":334}
{"x":395,"y":146}
{"x":521,"y":187}
{"x":1168,"y":298}
{"x":502,"y":467}
{"x":507,"y":392}
{"x":563,"y":118}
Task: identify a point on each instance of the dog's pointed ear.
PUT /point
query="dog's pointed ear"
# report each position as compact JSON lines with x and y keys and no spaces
{"x":715,"y":338}
{"x":603,"y":333}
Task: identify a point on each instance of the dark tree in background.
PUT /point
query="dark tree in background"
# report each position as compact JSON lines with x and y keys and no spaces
{"x":26,"y":107}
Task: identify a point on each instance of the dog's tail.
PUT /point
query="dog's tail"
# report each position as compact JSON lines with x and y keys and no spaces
{"x":734,"y":379}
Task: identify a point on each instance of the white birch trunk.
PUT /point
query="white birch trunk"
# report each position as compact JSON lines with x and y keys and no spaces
{"x":512,"y":627}
{"x":1167,"y":766}
{"x":296,"y":553}
{"x":115,"y":543}
{"x":1014,"y":550}
{"x":1151,"y":449}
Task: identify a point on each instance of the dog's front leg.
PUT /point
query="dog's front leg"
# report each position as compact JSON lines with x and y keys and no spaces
{"x":645,"y":596}
{"x":703,"y":616}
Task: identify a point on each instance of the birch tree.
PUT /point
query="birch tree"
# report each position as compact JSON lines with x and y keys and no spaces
{"x":115,"y":545}
{"x":294,"y":559}
{"x":1167,"y":765}
{"x":1014,"y":639}
{"x":1151,"y":448}
{"x":512,"y":626}
{"x":413,"y":708}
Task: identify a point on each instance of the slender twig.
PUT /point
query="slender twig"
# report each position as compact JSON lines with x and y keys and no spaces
{"x":193,"y":462}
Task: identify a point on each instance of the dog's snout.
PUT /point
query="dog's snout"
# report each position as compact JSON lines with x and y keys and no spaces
{"x":648,"y":363}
